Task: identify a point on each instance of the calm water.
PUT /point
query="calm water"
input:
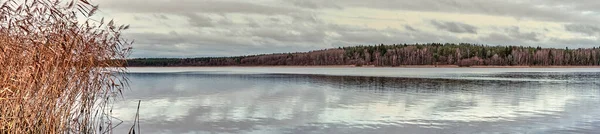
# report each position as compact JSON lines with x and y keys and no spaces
{"x":362,"y":100}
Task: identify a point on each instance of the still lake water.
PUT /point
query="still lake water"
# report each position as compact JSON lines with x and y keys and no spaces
{"x":362,"y":100}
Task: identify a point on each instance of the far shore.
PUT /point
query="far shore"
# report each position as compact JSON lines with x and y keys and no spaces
{"x":371,"y":66}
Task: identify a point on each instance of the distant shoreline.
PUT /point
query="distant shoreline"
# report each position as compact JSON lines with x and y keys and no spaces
{"x":371,"y":66}
{"x":415,"y":55}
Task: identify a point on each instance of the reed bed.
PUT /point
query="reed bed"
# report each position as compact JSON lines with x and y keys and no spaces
{"x":59,"y":69}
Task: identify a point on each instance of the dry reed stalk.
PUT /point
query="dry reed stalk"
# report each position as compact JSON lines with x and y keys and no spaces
{"x":55,"y":70}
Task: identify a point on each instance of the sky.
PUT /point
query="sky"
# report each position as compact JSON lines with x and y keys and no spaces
{"x":202,"y":28}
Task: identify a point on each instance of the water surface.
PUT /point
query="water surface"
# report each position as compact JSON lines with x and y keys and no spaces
{"x":363,"y":100}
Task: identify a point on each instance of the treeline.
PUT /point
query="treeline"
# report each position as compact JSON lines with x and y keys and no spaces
{"x":462,"y":54}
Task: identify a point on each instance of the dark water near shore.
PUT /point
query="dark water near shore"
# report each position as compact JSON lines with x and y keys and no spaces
{"x":363,"y":100}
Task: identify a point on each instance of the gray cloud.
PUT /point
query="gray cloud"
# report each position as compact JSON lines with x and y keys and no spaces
{"x":409,"y":28}
{"x":575,"y":43}
{"x":235,"y":27}
{"x":289,"y":35}
{"x":187,"y":6}
{"x":253,"y":24}
{"x":351,"y":36}
{"x":557,"y":10}
{"x":161,"y":16}
{"x":273,"y":40}
{"x":545,"y":10}
{"x":498,"y":39}
{"x":583,"y":28}
{"x":138,"y":18}
{"x":189,"y":45}
{"x":314,"y":4}
{"x":514,"y":36}
{"x":579,"y":5}
{"x":199,"y":20}
{"x":225,"y":21}
{"x":516,"y":33}
{"x":454,"y":27}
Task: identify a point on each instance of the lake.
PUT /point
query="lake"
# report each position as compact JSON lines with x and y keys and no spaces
{"x":362,"y":100}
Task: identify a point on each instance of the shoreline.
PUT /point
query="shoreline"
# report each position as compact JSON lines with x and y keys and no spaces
{"x":369,"y":66}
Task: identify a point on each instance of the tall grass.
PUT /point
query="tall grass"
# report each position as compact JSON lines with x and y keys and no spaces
{"x":55,"y":74}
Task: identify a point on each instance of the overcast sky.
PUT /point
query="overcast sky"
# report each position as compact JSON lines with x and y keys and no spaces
{"x":198,"y":28}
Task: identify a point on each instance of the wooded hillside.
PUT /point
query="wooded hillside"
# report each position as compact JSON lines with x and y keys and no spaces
{"x":395,"y":55}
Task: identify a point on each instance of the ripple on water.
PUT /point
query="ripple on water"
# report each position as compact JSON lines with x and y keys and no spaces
{"x":267,"y":100}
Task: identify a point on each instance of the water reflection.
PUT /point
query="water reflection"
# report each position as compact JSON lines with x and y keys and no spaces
{"x":286,"y":103}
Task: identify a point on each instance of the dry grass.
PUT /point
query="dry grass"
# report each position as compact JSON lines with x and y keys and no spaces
{"x":54,"y":67}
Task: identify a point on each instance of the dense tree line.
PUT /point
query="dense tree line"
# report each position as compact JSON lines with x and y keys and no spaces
{"x":463,"y":54}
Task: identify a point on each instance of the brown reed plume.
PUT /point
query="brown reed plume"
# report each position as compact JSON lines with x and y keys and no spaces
{"x":59,"y":69}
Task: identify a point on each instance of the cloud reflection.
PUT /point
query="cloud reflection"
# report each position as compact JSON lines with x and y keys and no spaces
{"x":262,"y":103}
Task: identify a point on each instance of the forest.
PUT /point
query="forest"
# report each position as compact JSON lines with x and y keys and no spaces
{"x":463,"y":54}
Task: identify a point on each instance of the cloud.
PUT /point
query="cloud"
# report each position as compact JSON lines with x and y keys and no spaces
{"x":498,"y":39}
{"x":575,"y":42}
{"x":161,"y":16}
{"x":289,"y":35}
{"x":200,"y":45}
{"x":516,"y":33}
{"x":193,"y":6}
{"x":409,"y":28}
{"x":314,"y":4}
{"x":556,"y":10}
{"x":199,"y":20}
{"x":455,"y":27}
{"x":192,"y":28}
{"x":583,"y":28}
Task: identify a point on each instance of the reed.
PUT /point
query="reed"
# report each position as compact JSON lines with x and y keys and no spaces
{"x":57,"y":67}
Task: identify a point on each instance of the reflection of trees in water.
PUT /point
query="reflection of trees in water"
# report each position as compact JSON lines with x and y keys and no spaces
{"x":366,"y":82}
{"x":571,"y":76}
{"x":416,"y":84}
